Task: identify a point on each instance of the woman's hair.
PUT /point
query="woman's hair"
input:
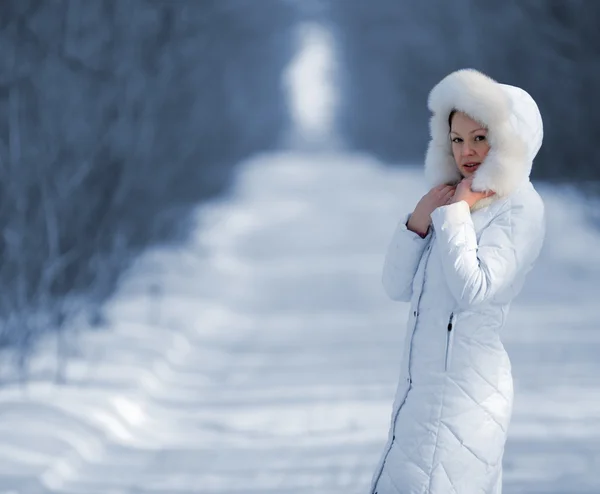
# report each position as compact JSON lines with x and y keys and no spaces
{"x":450,"y":117}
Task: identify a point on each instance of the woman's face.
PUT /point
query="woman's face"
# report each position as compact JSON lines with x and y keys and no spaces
{"x":469,"y":143}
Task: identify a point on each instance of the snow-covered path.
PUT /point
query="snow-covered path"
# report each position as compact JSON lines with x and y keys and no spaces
{"x":262,"y":356}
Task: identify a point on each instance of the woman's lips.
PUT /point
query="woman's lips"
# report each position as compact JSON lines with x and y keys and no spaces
{"x":471,"y":166}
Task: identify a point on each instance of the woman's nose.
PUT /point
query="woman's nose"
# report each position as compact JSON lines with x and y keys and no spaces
{"x":466,"y":149}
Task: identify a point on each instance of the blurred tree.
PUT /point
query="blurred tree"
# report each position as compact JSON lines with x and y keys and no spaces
{"x":394,"y":52}
{"x":116,"y":117}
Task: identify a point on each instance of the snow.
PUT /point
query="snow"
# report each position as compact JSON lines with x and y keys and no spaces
{"x":262,"y":356}
{"x":311,"y":85}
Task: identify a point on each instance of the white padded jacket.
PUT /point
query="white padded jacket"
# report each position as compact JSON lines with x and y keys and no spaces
{"x":453,"y":402}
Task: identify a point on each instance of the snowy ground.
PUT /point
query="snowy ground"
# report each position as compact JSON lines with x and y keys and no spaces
{"x":262,"y":356}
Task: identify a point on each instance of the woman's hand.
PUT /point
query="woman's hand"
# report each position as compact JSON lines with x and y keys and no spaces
{"x":465,"y":193}
{"x":420,"y":219}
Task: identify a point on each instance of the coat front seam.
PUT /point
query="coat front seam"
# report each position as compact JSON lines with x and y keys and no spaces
{"x":437,"y":433}
{"x":409,"y":351}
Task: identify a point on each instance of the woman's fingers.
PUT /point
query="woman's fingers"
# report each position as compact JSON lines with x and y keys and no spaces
{"x":442,"y":188}
{"x":442,"y":195}
{"x":445,"y":190}
{"x":484,"y":194}
{"x":445,"y":196}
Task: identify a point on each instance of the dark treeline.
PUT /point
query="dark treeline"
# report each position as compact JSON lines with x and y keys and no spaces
{"x":116,"y":117}
{"x":395,"y":51}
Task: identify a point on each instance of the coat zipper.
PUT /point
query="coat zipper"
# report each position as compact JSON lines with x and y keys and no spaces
{"x":449,"y":340}
{"x":393,"y":424}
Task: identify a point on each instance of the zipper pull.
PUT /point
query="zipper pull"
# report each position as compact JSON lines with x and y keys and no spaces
{"x":450,"y":322}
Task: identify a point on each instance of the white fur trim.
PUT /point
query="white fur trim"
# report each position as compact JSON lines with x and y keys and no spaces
{"x":514,"y":124}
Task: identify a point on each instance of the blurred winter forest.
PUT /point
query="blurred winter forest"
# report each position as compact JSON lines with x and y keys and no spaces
{"x":393,"y":52}
{"x":118,"y":116}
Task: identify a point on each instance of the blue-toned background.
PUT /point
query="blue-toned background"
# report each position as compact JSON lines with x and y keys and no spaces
{"x":195,"y":201}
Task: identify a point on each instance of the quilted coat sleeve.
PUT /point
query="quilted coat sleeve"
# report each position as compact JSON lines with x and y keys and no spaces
{"x":476,"y":271}
{"x":401,"y":261}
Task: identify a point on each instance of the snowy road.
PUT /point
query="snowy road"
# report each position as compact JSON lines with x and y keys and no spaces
{"x":262,"y":356}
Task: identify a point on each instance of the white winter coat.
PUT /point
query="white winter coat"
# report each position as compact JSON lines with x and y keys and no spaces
{"x":454,"y":398}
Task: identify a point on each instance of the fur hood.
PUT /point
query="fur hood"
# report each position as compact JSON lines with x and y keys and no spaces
{"x":514,"y":124}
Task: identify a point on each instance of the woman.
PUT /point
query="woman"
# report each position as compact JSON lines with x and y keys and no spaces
{"x":460,"y":258}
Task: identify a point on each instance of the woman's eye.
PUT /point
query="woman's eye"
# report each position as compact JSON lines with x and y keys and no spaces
{"x":480,"y":138}
{"x":457,"y":140}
